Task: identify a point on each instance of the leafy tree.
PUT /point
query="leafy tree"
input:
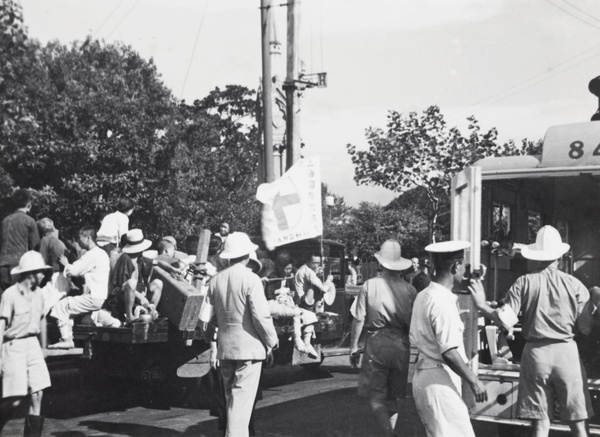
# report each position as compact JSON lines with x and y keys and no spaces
{"x":211,"y":161}
{"x":422,"y":151}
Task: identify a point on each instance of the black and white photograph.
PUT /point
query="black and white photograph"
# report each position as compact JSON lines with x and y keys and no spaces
{"x":299,"y":218}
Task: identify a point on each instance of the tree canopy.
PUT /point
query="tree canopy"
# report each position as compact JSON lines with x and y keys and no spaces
{"x":86,"y":124}
{"x":423,"y":151}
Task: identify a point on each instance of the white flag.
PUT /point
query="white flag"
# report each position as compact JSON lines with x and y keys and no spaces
{"x":292,"y":205}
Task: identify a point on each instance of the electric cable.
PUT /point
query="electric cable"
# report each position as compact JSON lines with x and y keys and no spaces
{"x":572,"y":15}
{"x":107,"y":18}
{"x":194,"y":49}
{"x":581,"y":10}
{"x":123,"y":19}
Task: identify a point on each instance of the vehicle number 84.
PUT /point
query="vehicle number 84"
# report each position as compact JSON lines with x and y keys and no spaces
{"x":576,"y":150}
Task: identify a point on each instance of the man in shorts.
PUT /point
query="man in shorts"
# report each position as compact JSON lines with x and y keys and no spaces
{"x":24,"y":371}
{"x":384,"y":306}
{"x":554,"y":305}
{"x":437,"y":331}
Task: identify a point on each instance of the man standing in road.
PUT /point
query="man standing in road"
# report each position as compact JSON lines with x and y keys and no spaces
{"x":311,"y":290}
{"x":384,"y":306}
{"x":246,"y":335}
{"x":436,"y":330}
{"x":19,"y":234}
{"x":22,"y":366}
{"x":554,"y":304}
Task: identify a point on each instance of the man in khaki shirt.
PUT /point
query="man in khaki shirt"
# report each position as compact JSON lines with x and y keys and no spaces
{"x":384,"y":306}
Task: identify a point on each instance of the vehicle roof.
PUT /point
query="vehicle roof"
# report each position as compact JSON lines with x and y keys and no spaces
{"x":509,"y":162}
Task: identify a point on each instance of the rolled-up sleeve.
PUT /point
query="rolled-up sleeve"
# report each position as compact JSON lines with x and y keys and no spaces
{"x":261,"y":317}
{"x":360,"y":310}
{"x":6,"y":308}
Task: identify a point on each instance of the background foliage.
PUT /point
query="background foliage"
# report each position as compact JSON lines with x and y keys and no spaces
{"x":85,"y":124}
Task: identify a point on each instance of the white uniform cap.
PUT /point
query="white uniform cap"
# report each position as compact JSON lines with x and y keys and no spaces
{"x":448,"y":246}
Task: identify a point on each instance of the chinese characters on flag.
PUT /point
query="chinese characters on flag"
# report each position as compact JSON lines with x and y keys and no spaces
{"x":292,"y":205}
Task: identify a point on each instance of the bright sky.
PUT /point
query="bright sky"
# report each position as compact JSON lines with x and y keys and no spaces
{"x":518,"y":65}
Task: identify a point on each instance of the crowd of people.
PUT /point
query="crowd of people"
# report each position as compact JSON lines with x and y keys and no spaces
{"x":111,"y":269}
{"x":555,"y":306}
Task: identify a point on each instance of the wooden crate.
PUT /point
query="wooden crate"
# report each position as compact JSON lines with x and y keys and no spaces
{"x":180,"y":301}
{"x":138,"y":332}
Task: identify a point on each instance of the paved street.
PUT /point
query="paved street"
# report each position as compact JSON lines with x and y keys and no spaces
{"x":296,"y":402}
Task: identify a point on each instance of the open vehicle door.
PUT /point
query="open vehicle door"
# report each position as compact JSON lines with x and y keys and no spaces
{"x":466,"y":226}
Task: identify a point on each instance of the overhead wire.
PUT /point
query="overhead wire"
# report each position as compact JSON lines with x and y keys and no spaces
{"x":552,"y":71}
{"x":123,"y":18}
{"x":581,"y":10}
{"x":194,"y":49}
{"x":107,"y":18}
{"x":572,"y":15}
{"x":518,"y":90}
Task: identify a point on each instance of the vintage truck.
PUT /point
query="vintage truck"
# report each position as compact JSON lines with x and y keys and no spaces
{"x":500,"y":202}
{"x":162,"y":353}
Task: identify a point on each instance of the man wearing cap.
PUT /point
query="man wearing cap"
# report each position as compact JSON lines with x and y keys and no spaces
{"x":554,"y":305}
{"x":22,"y":365}
{"x":311,"y":290}
{"x":384,"y":306}
{"x":246,"y":335}
{"x":94,"y":267}
{"x":437,"y":331}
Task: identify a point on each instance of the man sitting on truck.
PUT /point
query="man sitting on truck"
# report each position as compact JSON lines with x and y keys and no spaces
{"x":94,"y":267}
{"x":554,"y":305}
{"x":132,"y":292}
{"x":311,"y":290}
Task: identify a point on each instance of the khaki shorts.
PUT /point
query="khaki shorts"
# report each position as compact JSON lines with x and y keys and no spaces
{"x":24,"y":369}
{"x":384,"y":369}
{"x":551,"y":380}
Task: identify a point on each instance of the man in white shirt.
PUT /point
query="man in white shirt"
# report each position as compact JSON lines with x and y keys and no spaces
{"x":115,"y":225}
{"x":311,"y":290}
{"x":94,"y":266}
{"x":437,"y":331}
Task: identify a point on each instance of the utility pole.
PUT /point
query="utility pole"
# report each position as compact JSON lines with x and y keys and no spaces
{"x":290,"y":87}
{"x":266,"y":15}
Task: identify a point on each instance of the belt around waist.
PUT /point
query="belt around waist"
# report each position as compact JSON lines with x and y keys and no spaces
{"x":20,"y":338}
{"x":386,"y":328}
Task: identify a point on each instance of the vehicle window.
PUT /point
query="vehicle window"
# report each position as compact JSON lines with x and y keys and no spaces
{"x":534,"y":223}
{"x":501,"y":222}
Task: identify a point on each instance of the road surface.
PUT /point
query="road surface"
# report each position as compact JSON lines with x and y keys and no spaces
{"x":296,"y":402}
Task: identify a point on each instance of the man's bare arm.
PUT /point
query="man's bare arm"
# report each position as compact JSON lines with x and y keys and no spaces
{"x":453,"y":359}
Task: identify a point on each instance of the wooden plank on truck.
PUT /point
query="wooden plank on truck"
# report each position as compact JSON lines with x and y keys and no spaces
{"x":137,"y":332}
{"x":180,"y":301}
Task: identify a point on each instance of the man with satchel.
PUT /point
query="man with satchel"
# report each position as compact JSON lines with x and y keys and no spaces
{"x":384,"y":307}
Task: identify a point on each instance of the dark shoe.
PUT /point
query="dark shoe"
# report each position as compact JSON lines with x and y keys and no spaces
{"x":33,"y":426}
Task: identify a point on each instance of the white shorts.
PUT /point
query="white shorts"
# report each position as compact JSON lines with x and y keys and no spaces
{"x":440,"y":405}
{"x":24,"y":369}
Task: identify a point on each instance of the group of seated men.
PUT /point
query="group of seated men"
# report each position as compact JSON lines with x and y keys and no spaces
{"x":117,"y":283}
